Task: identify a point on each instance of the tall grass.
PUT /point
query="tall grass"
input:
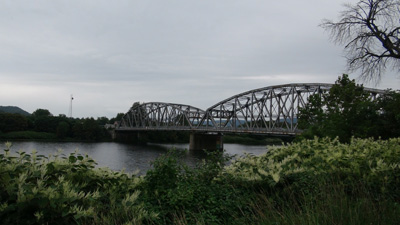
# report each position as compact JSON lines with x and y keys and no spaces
{"x":322,"y":181}
{"x":332,"y":205}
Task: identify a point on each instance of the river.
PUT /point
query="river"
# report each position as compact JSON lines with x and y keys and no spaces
{"x":119,"y":156}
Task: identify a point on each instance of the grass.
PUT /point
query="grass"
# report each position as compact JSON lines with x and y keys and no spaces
{"x":332,"y":206}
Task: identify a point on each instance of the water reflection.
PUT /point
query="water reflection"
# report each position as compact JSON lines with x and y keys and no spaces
{"x":118,"y":156}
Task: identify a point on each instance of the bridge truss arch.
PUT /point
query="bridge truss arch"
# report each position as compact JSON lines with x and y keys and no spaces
{"x":161,"y":116}
{"x":268,"y":110}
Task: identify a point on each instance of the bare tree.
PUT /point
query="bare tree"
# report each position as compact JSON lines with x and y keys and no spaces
{"x":370,"y":32}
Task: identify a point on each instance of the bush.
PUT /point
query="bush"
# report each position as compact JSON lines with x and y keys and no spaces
{"x":375,"y":164}
{"x":66,"y":190}
{"x":318,"y":181}
{"x":199,"y":195}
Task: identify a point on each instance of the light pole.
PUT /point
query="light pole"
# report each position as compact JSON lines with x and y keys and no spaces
{"x":70,"y":107}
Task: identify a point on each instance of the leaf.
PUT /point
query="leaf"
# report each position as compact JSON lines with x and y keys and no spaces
{"x":65,"y":213}
{"x":72,"y":159}
{"x":50,"y":167}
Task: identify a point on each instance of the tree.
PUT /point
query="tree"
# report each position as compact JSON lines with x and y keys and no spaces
{"x":345,"y":111}
{"x":88,"y":129}
{"x":41,"y":112}
{"x":389,"y":114}
{"x":102,"y":120}
{"x":12,"y":122}
{"x":370,"y":31}
{"x":77,"y":129}
{"x":44,"y":121}
{"x":62,"y":129}
{"x":117,"y":118}
{"x":91,"y":130}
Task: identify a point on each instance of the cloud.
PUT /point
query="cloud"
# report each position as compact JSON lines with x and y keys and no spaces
{"x":111,"y":54}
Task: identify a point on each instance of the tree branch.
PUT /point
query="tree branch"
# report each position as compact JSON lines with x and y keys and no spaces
{"x":370,"y":32}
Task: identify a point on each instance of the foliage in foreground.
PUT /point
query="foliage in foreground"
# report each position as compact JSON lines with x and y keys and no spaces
{"x":318,"y":181}
{"x":323,"y":181}
{"x":199,"y":195}
{"x":36,"y":189}
{"x":376,"y":164}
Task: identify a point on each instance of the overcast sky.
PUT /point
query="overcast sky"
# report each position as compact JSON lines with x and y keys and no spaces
{"x":110,"y":54}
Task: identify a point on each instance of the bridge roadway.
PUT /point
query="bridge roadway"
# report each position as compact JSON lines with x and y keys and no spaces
{"x":270,"y":110}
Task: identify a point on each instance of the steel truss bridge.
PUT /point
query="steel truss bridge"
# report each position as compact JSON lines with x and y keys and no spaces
{"x":270,"y":110}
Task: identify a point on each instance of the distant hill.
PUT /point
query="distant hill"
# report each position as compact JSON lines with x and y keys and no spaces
{"x":14,"y":109}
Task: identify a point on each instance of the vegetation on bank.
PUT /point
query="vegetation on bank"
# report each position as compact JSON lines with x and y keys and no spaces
{"x":347,"y":111}
{"x":28,"y":135}
{"x":247,"y":139}
{"x":319,"y":181}
{"x":42,"y":125}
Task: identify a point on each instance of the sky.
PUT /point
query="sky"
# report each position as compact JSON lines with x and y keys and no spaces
{"x":110,"y":54}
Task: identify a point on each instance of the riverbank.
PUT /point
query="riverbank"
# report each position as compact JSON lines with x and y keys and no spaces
{"x":253,"y":139}
{"x":311,"y":182}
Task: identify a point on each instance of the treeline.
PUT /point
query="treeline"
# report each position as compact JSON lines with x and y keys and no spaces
{"x":43,"y":125}
{"x":348,"y":111}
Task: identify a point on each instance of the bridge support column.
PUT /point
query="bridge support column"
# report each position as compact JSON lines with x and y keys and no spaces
{"x":209,"y":141}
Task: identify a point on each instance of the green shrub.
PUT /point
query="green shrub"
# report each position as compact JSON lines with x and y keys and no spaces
{"x":199,"y":195}
{"x":318,"y":181}
{"x":323,"y":181}
{"x":65,"y":190}
{"x":375,"y":164}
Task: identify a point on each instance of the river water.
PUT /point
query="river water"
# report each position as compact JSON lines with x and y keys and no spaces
{"x":119,"y":156}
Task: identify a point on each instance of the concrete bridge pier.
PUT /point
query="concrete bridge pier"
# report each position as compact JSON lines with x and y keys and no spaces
{"x":209,"y":141}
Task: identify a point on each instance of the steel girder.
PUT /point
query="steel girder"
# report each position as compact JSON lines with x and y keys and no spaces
{"x":161,"y":116}
{"x":271,"y":110}
{"x":268,"y":110}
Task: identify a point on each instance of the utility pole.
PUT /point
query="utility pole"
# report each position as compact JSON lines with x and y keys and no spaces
{"x":70,"y":107}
